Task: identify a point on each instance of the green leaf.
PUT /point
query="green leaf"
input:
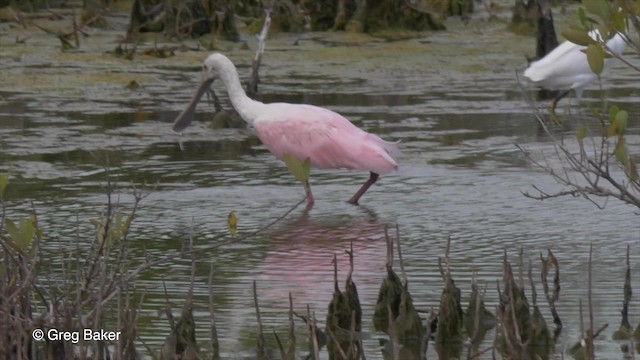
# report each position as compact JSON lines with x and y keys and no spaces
{"x":13,"y":231}
{"x":613,"y":129}
{"x":618,"y":124}
{"x":581,"y":133}
{"x":622,"y":155}
{"x":118,"y":220}
{"x":632,"y":171}
{"x":21,"y":235}
{"x":613,"y":111}
{"x":582,"y":16}
{"x":300,"y":170}
{"x":619,"y":21}
{"x":621,"y":118}
{"x":606,"y":33}
{"x":595,"y":57}
{"x":27,"y":230}
{"x":4,"y":181}
{"x":306,"y":166}
{"x":621,"y":152}
{"x":579,"y":37}
{"x":597,"y":7}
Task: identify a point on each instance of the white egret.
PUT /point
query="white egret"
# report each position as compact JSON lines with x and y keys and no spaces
{"x":566,"y":68}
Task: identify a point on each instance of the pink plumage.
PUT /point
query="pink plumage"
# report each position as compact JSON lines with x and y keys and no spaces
{"x":328,"y":139}
{"x":302,"y":131}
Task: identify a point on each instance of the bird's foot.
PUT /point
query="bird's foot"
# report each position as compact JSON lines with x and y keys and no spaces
{"x":309,"y":206}
{"x":353,"y":202}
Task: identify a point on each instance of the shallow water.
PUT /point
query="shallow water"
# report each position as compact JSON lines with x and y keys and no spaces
{"x":452,"y":99}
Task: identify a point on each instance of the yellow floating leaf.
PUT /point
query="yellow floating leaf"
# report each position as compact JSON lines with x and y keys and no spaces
{"x":232,"y":223}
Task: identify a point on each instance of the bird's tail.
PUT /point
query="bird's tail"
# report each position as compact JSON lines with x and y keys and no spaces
{"x":391,"y":147}
{"x":391,"y":151}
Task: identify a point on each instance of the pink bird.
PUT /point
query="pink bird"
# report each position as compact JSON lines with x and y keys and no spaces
{"x":329,"y":140}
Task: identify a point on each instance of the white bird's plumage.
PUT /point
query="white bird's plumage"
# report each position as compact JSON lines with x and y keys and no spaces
{"x":566,"y":67}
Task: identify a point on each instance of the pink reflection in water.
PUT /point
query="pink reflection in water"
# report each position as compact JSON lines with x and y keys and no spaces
{"x":300,"y":260}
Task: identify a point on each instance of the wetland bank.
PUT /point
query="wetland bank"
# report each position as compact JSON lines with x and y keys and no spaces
{"x":73,"y":130}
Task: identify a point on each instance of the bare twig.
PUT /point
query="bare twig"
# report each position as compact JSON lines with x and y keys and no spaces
{"x":312,"y":323}
{"x":402,"y":270}
{"x":553,"y":296}
{"x":252,"y":87}
{"x":590,"y":335}
{"x":261,"y":351}
{"x":585,"y":175}
{"x":291,"y":347}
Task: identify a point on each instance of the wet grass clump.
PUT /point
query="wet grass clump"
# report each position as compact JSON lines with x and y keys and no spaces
{"x":344,"y":317}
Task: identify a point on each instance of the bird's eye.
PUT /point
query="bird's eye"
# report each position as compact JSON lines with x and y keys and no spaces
{"x":204,"y":68}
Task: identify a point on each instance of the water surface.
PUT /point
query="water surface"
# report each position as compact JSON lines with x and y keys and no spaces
{"x":452,"y":99}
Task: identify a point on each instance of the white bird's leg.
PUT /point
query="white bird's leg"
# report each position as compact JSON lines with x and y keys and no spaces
{"x":372,"y":180}
{"x":307,"y":190}
{"x":554,"y":102}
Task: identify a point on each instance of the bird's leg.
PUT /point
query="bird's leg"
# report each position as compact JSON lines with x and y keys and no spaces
{"x":554,"y":102}
{"x":307,"y":190}
{"x":372,"y":179}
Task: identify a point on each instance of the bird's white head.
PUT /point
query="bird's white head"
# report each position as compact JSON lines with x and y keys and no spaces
{"x":217,"y":65}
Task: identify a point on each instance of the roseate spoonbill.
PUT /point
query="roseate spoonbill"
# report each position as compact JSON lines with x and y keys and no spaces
{"x":329,"y":140}
{"x":566,"y":68}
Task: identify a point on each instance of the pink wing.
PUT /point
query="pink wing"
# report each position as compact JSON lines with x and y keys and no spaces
{"x":327,"y":138}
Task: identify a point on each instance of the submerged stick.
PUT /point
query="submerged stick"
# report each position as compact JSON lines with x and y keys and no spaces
{"x":335,"y":274}
{"x":291,"y":346}
{"x":316,"y":346}
{"x":351,"y":264}
{"x":283,"y":355}
{"x":627,"y":294}
{"x":534,"y":295}
{"x":625,"y":331}
{"x":215,"y":345}
{"x":261,"y":352}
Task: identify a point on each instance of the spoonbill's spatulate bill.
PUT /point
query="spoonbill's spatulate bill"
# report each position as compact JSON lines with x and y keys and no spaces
{"x":302,"y":131}
{"x":566,"y":68}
